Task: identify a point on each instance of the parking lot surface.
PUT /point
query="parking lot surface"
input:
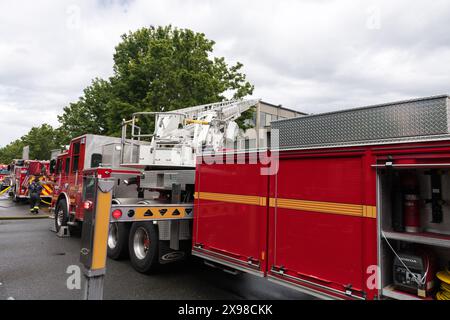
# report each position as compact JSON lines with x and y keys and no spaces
{"x":33,"y":265}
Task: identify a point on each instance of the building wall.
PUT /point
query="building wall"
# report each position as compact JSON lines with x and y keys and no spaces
{"x":264,"y":114}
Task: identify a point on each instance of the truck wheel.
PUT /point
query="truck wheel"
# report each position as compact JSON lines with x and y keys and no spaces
{"x":143,"y":247}
{"x":118,"y":240}
{"x":61,"y":215}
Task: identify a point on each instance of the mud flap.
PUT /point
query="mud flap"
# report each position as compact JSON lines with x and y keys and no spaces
{"x":168,"y":255}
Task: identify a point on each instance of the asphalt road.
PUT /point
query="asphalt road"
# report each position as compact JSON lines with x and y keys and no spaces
{"x":33,"y":265}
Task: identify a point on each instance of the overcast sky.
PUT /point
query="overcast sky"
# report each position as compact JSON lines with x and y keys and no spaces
{"x":314,"y":55}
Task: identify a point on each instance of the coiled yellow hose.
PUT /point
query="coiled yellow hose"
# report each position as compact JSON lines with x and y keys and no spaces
{"x":444,"y":293}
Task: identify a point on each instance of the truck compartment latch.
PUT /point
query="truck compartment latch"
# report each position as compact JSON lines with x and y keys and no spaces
{"x":278,"y":270}
{"x":348,"y":289}
{"x":253,"y":262}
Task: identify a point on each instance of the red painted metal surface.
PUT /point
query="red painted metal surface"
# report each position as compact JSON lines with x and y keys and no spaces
{"x":234,"y":230}
{"x":22,"y":175}
{"x":322,"y":252}
{"x":330,"y":250}
{"x":324,"y":248}
{"x":69,"y":176}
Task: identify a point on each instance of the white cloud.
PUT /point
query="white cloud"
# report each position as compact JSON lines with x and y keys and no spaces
{"x":315,"y":55}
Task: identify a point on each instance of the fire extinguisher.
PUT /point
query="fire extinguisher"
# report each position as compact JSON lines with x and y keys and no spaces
{"x":411,"y":202}
{"x":411,"y":212}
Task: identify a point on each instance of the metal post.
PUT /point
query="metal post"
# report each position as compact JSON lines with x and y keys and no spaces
{"x":94,"y":240}
{"x":175,"y":224}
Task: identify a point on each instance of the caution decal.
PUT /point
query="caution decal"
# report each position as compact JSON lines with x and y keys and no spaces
{"x":148,"y":213}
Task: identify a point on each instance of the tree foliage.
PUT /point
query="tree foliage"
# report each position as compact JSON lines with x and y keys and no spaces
{"x":155,"y":69}
{"x":11,"y":151}
{"x":89,"y":114}
{"x":41,"y":141}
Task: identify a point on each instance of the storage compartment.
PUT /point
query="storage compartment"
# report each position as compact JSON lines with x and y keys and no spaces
{"x":322,"y":231}
{"x":414,"y":230}
{"x":230,"y":225}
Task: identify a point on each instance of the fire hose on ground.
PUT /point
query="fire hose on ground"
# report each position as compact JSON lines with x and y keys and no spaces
{"x":4,"y":190}
{"x":47,"y":203}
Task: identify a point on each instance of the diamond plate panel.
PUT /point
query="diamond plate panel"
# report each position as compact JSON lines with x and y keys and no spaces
{"x":398,"y":121}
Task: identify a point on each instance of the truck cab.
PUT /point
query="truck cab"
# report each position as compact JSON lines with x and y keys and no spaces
{"x":85,"y":153}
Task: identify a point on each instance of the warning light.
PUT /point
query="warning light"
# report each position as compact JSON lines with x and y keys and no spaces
{"x":117,"y":214}
{"x":88,"y":205}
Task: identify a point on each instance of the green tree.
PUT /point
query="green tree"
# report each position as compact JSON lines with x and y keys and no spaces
{"x":89,"y":114}
{"x":155,"y":69}
{"x":11,"y":151}
{"x":41,"y":141}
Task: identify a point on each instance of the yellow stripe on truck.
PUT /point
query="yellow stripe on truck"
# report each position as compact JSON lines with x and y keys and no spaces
{"x":233,"y":198}
{"x":325,"y":207}
{"x":294,"y":204}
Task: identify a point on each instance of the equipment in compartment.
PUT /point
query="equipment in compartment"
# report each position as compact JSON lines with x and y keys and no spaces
{"x":411,"y":211}
{"x":405,"y":200}
{"x":413,"y":272}
{"x":416,"y":200}
{"x":444,"y":277}
{"x":436,"y":196}
{"x":396,"y":200}
{"x":411,"y":200}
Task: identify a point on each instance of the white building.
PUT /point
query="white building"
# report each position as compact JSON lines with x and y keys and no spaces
{"x":265,"y":113}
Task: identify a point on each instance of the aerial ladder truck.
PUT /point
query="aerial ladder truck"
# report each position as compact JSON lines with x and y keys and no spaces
{"x":155,"y":227}
{"x":354,"y":204}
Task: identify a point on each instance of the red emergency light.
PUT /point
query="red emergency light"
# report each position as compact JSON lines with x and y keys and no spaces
{"x":117,"y":214}
{"x":88,"y":205}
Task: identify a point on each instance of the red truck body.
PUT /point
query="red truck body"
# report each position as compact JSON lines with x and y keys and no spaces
{"x":85,"y":153}
{"x":4,"y":172}
{"x":23,"y":171}
{"x":313,"y":225}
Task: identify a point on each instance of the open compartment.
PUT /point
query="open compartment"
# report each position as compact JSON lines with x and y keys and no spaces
{"x":413,"y":230}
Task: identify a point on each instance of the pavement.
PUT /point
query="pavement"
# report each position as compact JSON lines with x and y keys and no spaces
{"x":33,"y":265}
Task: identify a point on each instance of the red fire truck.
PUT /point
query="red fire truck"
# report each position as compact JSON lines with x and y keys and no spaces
{"x":85,"y":153}
{"x":4,"y":178}
{"x":346,"y":205}
{"x":21,"y":174}
{"x":4,"y":172}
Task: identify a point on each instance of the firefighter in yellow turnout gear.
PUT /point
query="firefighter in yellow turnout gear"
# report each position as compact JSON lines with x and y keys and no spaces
{"x":35,"y":189}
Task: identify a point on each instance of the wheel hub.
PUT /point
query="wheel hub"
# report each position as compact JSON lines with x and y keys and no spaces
{"x":59,"y":217}
{"x":141,"y":243}
{"x":113,"y":236}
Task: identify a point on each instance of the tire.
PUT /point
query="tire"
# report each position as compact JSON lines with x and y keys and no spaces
{"x":118,"y":240}
{"x":61,"y":215}
{"x":143,"y":256}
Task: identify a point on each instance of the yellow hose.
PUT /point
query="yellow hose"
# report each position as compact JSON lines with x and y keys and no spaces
{"x":47,"y":203}
{"x":444,"y":293}
{"x":3,"y":191}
